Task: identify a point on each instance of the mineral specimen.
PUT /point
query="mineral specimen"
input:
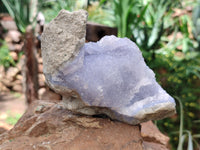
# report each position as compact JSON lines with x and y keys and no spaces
{"x":108,"y":77}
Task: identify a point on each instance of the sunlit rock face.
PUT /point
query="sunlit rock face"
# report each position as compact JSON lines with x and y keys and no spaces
{"x":109,"y":77}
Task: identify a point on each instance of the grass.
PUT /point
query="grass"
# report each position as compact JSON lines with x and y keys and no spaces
{"x":16,"y":94}
{"x":12,"y":118}
{"x":186,"y":134}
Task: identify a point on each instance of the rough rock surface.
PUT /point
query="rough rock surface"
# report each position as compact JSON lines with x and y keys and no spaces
{"x":47,"y":94}
{"x":61,"y":43}
{"x":153,"y":138}
{"x":2,"y":130}
{"x":151,"y":133}
{"x":108,"y":77}
{"x":48,"y":126}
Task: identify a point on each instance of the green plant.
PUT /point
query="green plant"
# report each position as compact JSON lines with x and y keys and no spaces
{"x":5,"y":58}
{"x":183,"y":134}
{"x":2,"y":8}
{"x":144,"y":22}
{"x":16,"y":95}
{"x":126,"y":14}
{"x":196,"y":23}
{"x":179,"y":74}
{"x":12,"y":119}
{"x":51,"y":8}
{"x":100,"y":12}
{"x":23,"y":12}
{"x":177,"y":68}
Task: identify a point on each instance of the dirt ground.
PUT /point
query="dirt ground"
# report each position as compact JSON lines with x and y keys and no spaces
{"x":11,"y":104}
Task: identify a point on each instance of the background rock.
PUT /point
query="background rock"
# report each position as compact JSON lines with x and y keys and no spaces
{"x":2,"y":130}
{"x":14,"y":35}
{"x":47,"y":126}
{"x":40,"y":68}
{"x":19,"y":77}
{"x":41,"y":80}
{"x":8,"y":23}
{"x":12,"y":72}
{"x":14,"y":55}
{"x":154,"y":139}
{"x":15,"y":47}
{"x":2,"y":72}
{"x":3,"y":88}
{"x":154,"y":146}
{"x":46,"y":94}
{"x":17,"y":88}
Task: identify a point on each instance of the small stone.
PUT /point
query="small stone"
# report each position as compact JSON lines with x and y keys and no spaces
{"x":2,"y":72}
{"x":40,"y":109}
{"x":14,"y":55}
{"x":19,"y":77}
{"x":3,"y":88}
{"x":11,"y":73}
{"x":7,"y":83}
{"x":8,"y":24}
{"x":15,"y":47}
{"x":154,"y":146}
{"x":40,"y":61}
{"x":17,"y":88}
{"x":150,"y":133}
{"x":40,"y":68}
{"x":45,"y":94}
{"x":14,"y":35}
{"x":20,"y":63}
{"x":17,"y":82}
{"x":2,"y":130}
{"x":41,"y":80}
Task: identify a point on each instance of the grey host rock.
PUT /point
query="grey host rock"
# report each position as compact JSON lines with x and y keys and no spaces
{"x":108,"y":77}
{"x":63,"y":38}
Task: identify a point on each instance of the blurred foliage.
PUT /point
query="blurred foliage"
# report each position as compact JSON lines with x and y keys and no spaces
{"x":5,"y":58}
{"x":177,"y":68}
{"x":145,"y":22}
{"x":22,"y":11}
{"x":2,"y":8}
{"x":126,"y":16}
{"x":101,"y":13}
{"x":196,"y":21}
{"x":97,"y":11}
{"x":51,"y":8}
{"x":12,"y":119}
{"x":186,"y":134}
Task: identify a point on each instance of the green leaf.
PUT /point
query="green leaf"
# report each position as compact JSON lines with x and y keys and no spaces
{"x":190,"y":143}
{"x":196,"y":136}
{"x":181,"y":137}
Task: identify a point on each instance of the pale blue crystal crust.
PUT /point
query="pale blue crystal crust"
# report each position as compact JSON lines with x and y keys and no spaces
{"x":112,"y":74}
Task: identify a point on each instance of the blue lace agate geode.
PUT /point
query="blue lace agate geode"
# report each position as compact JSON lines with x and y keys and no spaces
{"x":108,"y":77}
